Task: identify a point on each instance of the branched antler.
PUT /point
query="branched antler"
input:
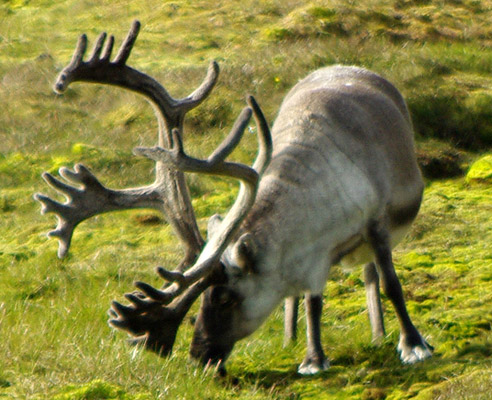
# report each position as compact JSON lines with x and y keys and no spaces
{"x":156,"y":314}
{"x":99,"y":68}
{"x":176,"y":299}
{"x":90,"y":199}
{"x":152,"y":322}
{"x":169,"y":192}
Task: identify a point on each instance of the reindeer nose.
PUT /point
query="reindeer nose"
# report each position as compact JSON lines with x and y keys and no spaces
{"x":60,"y":84}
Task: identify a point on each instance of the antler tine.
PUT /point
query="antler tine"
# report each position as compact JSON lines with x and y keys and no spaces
{"x":108,"y":49}
{"x":264,"y":138}
{"x":171,"y":276}
{"x":79,"y":52}
{"x":98,"y":47}
{"x":161,"y":296}
{"x":127,"y":45}
{"x":232,"y":140}
{"x":201,"y":93}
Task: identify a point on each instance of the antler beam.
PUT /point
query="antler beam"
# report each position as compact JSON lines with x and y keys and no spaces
{"x":216,"y":164}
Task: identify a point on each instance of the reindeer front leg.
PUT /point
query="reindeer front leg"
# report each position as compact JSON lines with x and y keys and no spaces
{"x":87,"y":200}
{"x":315,"y":360}
{"x":412,"y":346}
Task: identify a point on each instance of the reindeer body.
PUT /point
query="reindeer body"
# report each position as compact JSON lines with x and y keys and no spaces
{"x":342,"y":184}
{"x":343,"y":160}
{"x":337,"y":165}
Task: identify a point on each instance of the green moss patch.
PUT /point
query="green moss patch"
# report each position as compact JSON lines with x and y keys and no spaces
{"x":480,"y":170}
{"x":97,"y":390}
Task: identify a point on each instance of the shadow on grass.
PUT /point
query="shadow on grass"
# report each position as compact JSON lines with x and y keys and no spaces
{"x":366,"y":367}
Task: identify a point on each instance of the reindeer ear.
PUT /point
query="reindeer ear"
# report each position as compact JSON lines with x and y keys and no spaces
{"x":222,"y":296}
{"x":213,"y":225}
{"x":244,"y":253}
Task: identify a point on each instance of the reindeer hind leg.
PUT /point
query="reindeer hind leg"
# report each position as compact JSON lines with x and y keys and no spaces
{"x":373,"y":299}
{"x":291,"y":314}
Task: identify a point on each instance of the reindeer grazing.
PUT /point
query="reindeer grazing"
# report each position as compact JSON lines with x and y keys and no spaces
{"x":335,"y":181}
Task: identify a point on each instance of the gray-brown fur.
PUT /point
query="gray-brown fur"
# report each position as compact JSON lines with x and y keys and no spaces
{"x":343,"y":162}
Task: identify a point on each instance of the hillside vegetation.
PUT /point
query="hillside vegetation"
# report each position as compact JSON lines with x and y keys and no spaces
{"x":54,"y":340}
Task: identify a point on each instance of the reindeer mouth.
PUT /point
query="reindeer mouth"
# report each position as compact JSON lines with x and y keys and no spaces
{"x":208,"y":353}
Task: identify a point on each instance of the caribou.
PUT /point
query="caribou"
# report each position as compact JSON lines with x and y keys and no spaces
{"x":335,"y":181}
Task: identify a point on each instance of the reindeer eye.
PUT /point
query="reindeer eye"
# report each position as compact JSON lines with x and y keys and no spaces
{"x":224,"y":297}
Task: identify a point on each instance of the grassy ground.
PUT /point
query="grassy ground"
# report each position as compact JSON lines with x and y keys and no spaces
{"x":54,"y":341}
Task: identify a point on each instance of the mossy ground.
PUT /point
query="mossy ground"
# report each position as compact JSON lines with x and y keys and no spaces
{"x":54,"y":341}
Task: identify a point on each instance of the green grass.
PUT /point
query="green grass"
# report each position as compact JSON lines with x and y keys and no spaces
{"x":54,"y":340}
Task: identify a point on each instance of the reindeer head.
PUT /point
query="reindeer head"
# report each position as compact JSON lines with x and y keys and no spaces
{"x":225,"y":315}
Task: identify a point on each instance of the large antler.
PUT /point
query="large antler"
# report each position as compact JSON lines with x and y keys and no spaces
{"x":156,"y":314}
{"x":169,"y":192}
